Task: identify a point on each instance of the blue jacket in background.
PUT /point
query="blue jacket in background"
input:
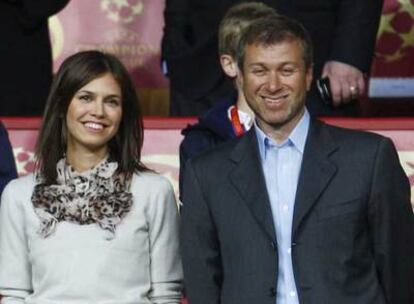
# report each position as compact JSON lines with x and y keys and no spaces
{"x":7,"y":165}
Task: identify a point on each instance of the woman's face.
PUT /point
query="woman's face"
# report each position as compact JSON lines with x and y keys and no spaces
{"x":94,"y":115}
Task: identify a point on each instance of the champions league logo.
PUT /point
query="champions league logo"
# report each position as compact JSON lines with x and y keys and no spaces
{"x":124,"y":11}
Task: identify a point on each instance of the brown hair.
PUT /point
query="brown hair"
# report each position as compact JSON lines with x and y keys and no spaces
{"x":273,"y":30}
{"x":74,"y":73}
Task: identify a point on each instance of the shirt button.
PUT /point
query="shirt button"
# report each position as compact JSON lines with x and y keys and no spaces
{"x":292,"y":294}
{"x":289,"y":251}
{"x":285,"y":207}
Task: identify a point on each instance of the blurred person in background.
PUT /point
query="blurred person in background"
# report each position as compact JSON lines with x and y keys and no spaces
{"x":7,"y":163}
{"x":25,"y":55}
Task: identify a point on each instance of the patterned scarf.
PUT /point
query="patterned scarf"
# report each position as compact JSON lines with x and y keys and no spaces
{"x":97,"y":195}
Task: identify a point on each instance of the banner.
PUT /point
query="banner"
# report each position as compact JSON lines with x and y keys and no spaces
{"x":130,"y":29}
{"x":393,"y":68}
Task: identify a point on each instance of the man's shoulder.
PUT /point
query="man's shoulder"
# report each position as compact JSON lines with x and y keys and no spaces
{"x":218,"y":155}
{"x":352,"y":136}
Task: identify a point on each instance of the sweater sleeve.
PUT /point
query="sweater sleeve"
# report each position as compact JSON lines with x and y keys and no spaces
{"x":15,"y":273}
{"x":356,"y":31}
{"x":165,"y":262}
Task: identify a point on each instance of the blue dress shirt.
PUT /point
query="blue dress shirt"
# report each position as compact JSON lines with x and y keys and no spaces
{"x":281,"y":164}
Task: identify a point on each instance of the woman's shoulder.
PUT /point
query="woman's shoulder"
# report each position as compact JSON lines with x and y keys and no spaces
{"x":150,"y":180}
{"x":21,"y":184}
{"x":19,"y":189}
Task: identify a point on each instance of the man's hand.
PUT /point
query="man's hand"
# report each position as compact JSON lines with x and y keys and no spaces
{"x":347,"y":82}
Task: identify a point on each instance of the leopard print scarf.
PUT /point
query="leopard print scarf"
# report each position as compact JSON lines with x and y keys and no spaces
{"x":98,"y":196}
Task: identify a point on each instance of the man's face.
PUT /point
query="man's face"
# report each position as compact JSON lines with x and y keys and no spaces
{"x":274,"y":81}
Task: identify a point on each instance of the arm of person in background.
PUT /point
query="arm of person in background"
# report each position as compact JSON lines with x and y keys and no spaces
{"x":7,"y":163}
{"x":352,"y":49}
{"x":35,"y":12}
{"x":175,"y":19}
{"x":15,"y":274}
{"x":391,"y":224}
{"x":165,"y":264}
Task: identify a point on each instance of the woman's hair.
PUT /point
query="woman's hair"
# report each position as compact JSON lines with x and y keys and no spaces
{"x":74,"y":73}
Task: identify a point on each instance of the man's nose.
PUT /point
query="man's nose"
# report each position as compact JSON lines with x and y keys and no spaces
{"x":273,"y":82}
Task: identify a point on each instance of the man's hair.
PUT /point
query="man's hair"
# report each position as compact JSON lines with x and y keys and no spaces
{"x":273,"y":30}
{"x":74,"y":73}
{"x":236,"y":20}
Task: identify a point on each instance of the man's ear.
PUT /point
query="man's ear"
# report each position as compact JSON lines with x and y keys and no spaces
{"x":228,"y":65}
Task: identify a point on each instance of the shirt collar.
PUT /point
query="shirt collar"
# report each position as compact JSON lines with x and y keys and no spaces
{"x":297,"y":137}
{"x":245,"y":118}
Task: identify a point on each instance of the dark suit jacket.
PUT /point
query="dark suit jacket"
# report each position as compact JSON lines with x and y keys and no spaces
{"x":7,"y":164}
{"x":25,"y":55}
{"x":353,"y":226}
{"x":342,"y":30}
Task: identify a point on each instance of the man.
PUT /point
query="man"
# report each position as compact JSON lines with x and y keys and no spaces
{"x":229,"y":117}
{"x":295,"y":211}
{"x":343,"y":33}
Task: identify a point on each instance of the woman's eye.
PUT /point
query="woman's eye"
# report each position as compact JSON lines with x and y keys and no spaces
{"x":85,"y":98}
{"x":113,"y":102}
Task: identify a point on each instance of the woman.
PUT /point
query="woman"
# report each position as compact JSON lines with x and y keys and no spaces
{"x":93,"y":225}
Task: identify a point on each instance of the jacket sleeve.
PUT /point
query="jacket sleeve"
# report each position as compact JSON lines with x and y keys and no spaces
{"x":391,"y":223}
{"x":15,"y":273}
{"x":200,"y":248}
{"x":7,"y":164}
{"x":175,"y":20}
{"x":33,"y":13}
{"x":166,"y":269}
{"x":356,"y":31}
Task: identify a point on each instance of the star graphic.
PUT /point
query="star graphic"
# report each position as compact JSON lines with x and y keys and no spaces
{"x":386,"y":26}
{"x":408,"y":39}
{"x":407,"y":6}
{"x":137,"y":9}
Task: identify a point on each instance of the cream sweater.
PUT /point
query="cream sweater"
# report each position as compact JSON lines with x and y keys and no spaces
{"x":76,"y":264}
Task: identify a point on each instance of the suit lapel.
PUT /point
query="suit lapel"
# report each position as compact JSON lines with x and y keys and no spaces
{"x":247,"y":177}
{"x":316,"y":173}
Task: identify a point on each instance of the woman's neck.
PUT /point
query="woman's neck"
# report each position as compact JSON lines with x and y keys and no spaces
{"x":84,"y":160}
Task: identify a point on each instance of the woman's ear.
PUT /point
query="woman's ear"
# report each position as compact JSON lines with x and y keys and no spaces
{"x":228,"y":65}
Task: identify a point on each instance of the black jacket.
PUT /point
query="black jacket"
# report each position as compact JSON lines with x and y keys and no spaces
{"x":213,"y":128}
{"x":25,"y":55}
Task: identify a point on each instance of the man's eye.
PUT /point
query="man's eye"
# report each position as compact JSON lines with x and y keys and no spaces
{"x":258,"y":72}
{"x":287,"y":71}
